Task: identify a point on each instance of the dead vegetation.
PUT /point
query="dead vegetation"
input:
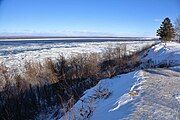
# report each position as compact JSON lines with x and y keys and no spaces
{"x":101,"y":93}
{"x":43,"y":85}
{"x":87,"y":105}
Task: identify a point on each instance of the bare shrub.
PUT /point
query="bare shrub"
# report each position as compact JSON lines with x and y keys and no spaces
{"x":107,"y":67}
{"x":86,"y":110}
{"x":101,"y":93}
{"x":40,"y":74}
{"x":32,"y":72}
{"x":4,"y":76}
{"x":49,"y":71}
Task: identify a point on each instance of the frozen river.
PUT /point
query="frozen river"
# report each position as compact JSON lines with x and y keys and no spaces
{"x":14,"y":53}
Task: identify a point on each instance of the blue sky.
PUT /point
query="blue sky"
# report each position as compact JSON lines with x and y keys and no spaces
{"x":86,"y":17}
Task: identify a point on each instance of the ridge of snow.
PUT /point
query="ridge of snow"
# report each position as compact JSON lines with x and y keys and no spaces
{"x":162,"y":53}
{"x":116,"y":104}
{"x":175,"y":68}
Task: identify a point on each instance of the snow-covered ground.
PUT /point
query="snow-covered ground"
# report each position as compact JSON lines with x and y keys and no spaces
{"x":162,"y":53}
{"x":113,"y":106}
{"x":149,"y":94}
{"x":14,"y":54}
{"x":139,"y":95}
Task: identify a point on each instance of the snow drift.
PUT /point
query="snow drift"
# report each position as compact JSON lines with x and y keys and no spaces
{"x":110,"y":99}
{"x":163,"y":54}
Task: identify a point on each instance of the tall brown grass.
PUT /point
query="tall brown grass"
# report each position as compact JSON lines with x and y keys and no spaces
{"x":51,"y":83}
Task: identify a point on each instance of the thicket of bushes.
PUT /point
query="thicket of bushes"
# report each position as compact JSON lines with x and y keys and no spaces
{"x":56,"y":82}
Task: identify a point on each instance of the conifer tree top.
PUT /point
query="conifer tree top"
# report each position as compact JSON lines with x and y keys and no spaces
{"x":166,"y":31}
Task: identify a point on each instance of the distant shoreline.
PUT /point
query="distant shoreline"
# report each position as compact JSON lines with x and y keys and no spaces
{"x":19,"y":37}
{"x":76,"y":38}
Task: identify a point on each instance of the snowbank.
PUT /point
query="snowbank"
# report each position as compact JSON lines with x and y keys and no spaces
{"x":175,"y":68}
{"x":162,"y":54}
{"x":109,"y":100}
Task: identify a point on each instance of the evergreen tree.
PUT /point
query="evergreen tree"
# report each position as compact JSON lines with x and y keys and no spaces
{"x":166,"y":31}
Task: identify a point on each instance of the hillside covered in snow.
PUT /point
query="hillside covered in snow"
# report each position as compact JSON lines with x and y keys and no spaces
{"x":151,"y":93}
{"x":163,"y":54}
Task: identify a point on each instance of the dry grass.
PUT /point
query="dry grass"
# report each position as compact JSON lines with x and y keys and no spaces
{"x":42,"y":85}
